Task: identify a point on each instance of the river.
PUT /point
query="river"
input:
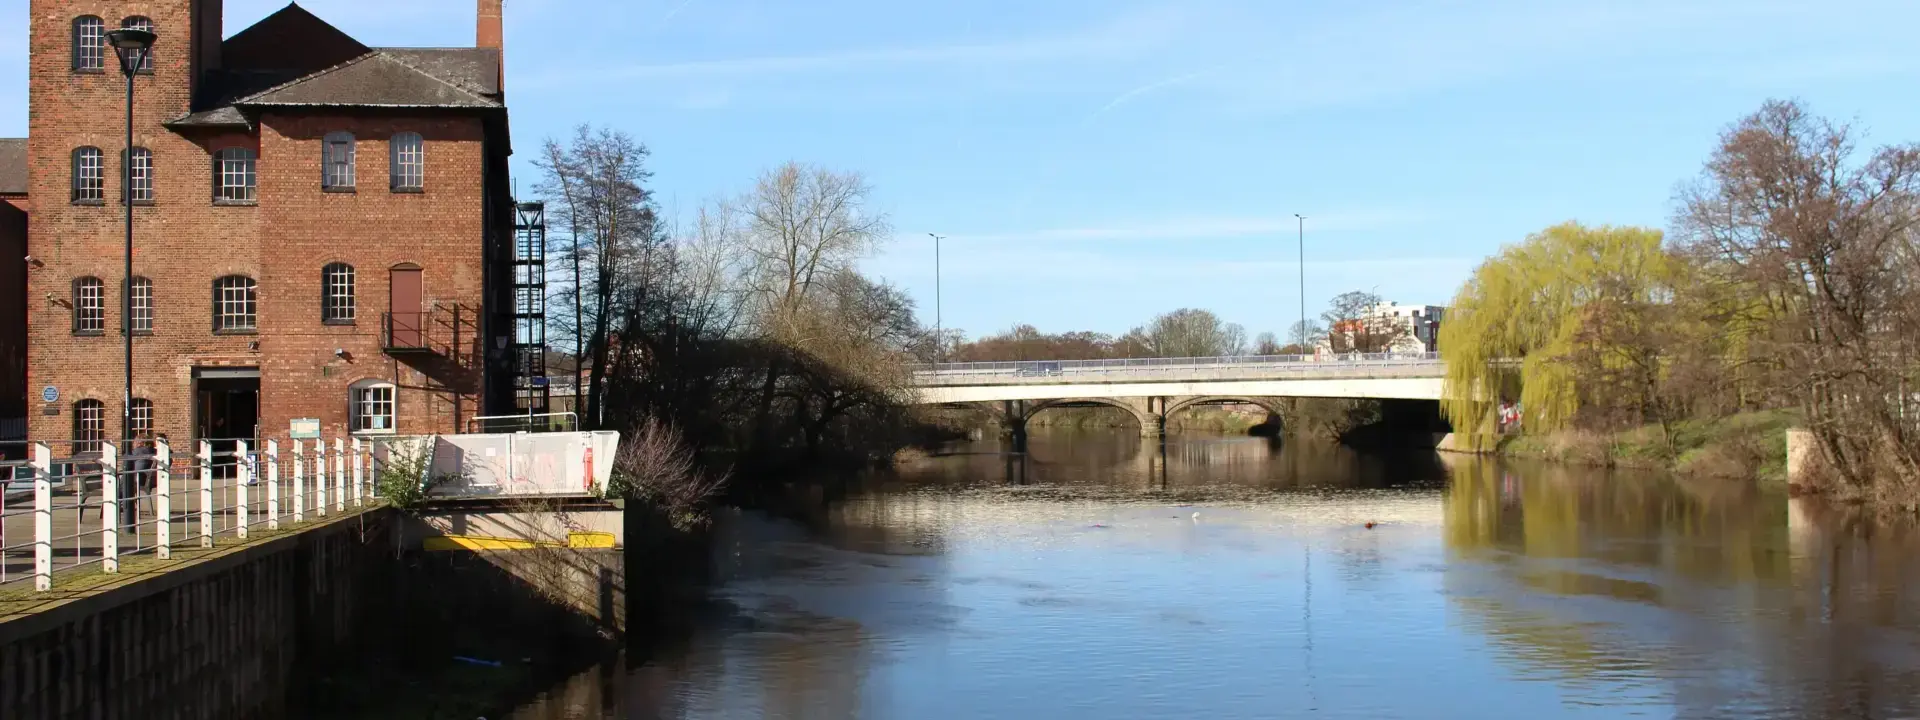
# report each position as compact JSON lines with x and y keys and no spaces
{"x":1228,"y":577}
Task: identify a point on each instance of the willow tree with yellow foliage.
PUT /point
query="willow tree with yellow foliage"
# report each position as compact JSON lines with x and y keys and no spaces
{"x":1574,"y":319}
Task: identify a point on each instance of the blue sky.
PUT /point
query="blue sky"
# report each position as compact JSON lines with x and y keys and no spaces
{"x":1094,"y":162}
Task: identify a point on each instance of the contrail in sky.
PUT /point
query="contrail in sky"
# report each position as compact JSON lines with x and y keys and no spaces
{"x":1128,"y":96}
{"x":676,"y":11}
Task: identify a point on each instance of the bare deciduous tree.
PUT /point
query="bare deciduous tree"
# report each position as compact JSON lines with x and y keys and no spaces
{"x":1792,"y":220}
{"x":599,"y":178}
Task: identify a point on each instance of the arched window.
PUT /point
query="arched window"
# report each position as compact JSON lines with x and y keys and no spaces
{"x":234,"y":305}
{"x":233,"y":176}
{"x":407,"y":162}
{"x":142,"y":298}
{"x":89,"y":44}
{"x":89,"y":306}
{"x":89,"y":426}
{"x":141,"y":189}
{"x":89,"y":176}
{"x":372,"y":405}
{"x":141,"y":22}
{"x":336,"y":294}
{"x":142,"y":417}
{"x":336,"y":161}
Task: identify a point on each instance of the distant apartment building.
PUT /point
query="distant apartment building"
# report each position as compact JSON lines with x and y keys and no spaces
{"x":323,"y":230}
{"x":1387,"y":327}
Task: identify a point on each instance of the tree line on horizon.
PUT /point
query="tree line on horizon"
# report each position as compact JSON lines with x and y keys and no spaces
{"x":1789,"y":281}
{"x":1189,"y":332}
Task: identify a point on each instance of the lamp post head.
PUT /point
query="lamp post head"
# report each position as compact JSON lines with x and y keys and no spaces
{"x":132,"y":44}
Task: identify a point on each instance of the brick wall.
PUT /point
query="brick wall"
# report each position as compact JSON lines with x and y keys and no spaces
{"x":183,"y":242}
{"x":372,"y":229}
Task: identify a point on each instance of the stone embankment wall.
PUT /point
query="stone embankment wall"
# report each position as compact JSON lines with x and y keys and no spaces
{"x":217,"y":638}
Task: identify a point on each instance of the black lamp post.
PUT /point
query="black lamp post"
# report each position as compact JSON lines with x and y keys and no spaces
{"x":132,"y":45}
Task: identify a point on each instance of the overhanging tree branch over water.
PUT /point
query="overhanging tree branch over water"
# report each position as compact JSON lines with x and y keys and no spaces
{"x":1793,"y":281}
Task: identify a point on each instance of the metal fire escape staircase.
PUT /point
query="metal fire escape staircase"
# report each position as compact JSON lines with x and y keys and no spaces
{"x":530,"y":307}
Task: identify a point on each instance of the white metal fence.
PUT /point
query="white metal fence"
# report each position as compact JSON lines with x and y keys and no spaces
{"x":153,"y":499}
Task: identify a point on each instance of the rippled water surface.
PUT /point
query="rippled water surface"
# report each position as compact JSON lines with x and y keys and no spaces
{"x":1099,"y":576}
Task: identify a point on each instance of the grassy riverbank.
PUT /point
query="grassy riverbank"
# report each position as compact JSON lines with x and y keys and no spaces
{"x":1748,"y":445}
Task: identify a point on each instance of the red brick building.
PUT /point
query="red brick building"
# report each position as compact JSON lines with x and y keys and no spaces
{"x":322,"y":229}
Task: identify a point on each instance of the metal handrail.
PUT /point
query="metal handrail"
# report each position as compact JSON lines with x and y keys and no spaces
{"x":1186,"y":362}
{"x":266,"y":487}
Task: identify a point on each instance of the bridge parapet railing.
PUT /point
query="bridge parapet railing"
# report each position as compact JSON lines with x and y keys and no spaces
{"x":1035,"y":368}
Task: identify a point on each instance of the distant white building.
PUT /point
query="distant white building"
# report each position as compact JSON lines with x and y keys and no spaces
{"x":1412,"y":329}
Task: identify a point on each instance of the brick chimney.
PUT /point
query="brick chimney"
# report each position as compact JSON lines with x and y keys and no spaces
{"x":488,"y":33}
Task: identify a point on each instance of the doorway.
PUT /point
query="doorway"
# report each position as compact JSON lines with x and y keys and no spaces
{"x":226,"y":410}
{"x":408,"y":324}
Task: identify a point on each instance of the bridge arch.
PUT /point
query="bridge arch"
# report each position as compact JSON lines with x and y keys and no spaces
{"x":1140,"y":416}
{"x":1270,"y":404}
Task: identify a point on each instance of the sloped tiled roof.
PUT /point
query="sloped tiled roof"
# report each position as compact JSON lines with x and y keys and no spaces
{"x":13,"y":166}
{"x":476,"y":69}
{"x":376,"y":79}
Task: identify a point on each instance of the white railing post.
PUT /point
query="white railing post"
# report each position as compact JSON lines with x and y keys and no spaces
{"x":109,"y":508}
{"x":273,"y":484}
{"x":359,"y":473}
{"x":163,"y":499}
{"x":206,"y":494}
{"x":242,"y":478}
{"x":340,"y":475}
{"x":321,"y":473}
{"x":42,"y":517}
{"x":299,"y":481}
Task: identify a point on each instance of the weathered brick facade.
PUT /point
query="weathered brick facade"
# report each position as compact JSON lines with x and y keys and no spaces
{"x":454,"y":229}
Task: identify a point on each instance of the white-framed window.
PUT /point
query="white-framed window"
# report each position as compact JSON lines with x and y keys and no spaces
{"x":234,"y":304}
{"x":138,"y":22}
{"x":408,"y":164}
{"x":89,"y":426}
{"x":89,"y":175}
{"x":336,"y":293}
{"x":233,"y":175}
{"x":89,"y":306}
{"x":89,"y":44}
{"x":142,"y":296}
{"x":141,"y":189}
{"x":336,"y":161}
{"x":142,"y":416}
{"x":372,"y":404}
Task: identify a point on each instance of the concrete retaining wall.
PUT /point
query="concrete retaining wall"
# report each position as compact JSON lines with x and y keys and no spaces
{"x":218,"y":638}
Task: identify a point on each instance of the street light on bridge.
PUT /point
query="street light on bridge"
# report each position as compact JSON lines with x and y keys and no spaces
{"x":1303,"y":283}
{"x":939,"y":329}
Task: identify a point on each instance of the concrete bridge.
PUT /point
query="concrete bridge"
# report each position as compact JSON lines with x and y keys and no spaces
{"x":1152,"y":389}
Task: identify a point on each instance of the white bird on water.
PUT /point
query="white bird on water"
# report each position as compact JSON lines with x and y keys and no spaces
{"x":1196,"y":516}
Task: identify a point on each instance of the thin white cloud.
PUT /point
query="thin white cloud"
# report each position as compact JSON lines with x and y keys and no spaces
{"x":1209,"y":228}
{"x":1124,"y":35}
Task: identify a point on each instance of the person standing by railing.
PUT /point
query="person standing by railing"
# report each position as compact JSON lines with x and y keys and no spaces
{"x":137,"y":480}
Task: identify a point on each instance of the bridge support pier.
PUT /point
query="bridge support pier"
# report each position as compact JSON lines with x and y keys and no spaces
{"x":1013,"y":414}
{"x":1153,"y":417}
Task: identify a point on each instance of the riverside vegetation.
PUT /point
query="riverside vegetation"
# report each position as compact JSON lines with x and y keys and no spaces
{"x":1788,"y":292}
